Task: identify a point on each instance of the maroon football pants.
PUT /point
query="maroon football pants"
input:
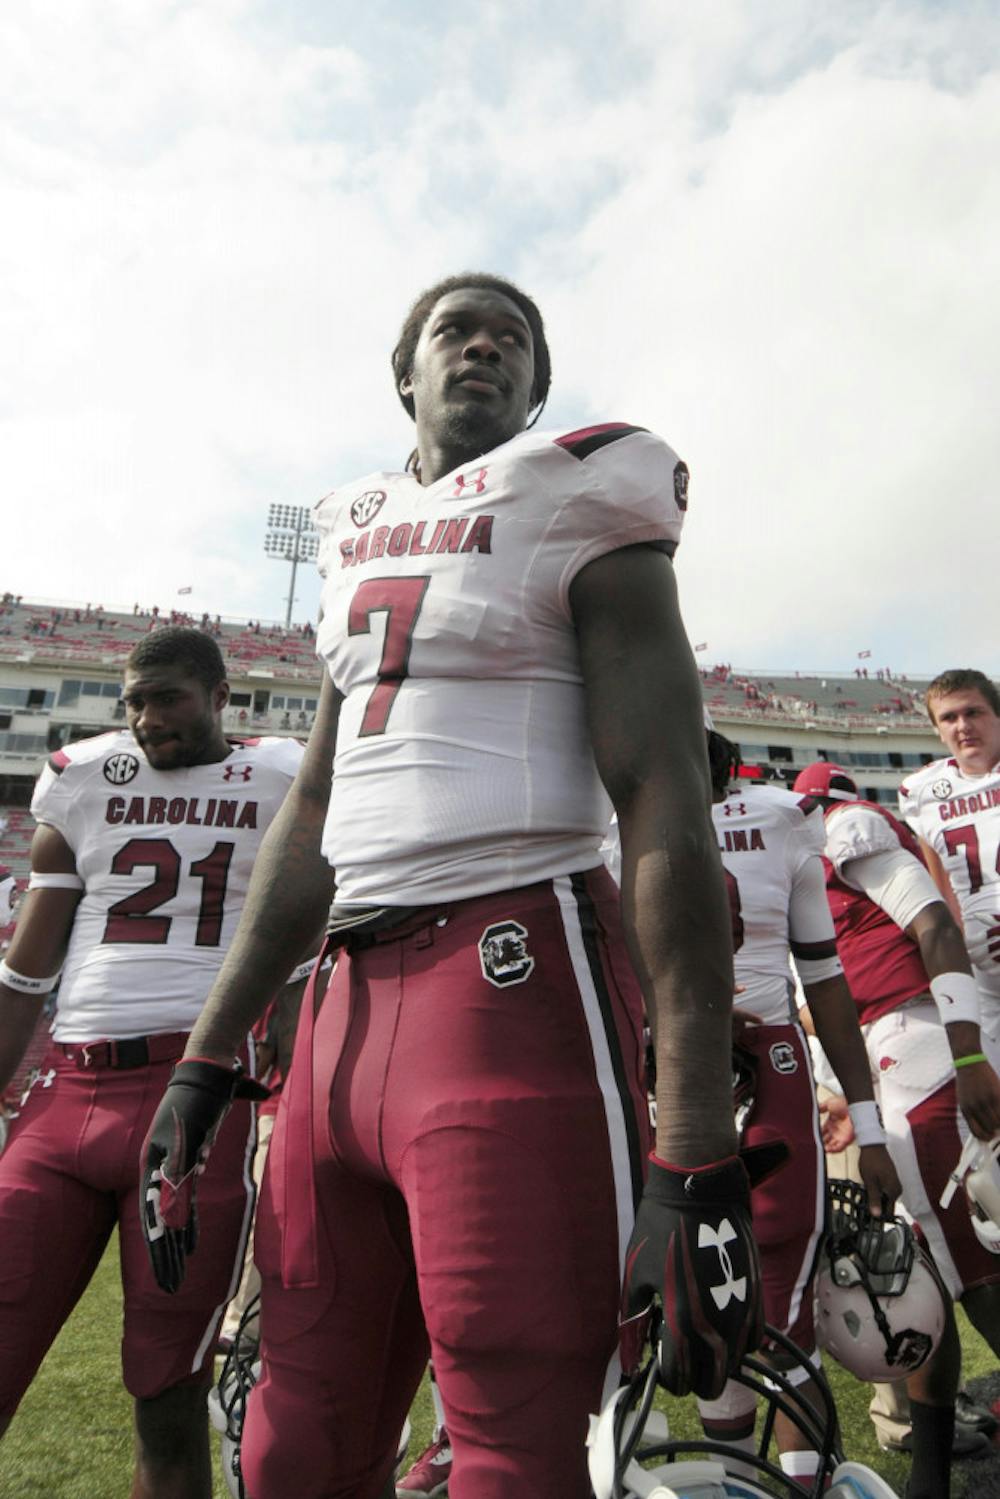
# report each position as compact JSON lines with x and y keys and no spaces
{"x":478,"y":1132}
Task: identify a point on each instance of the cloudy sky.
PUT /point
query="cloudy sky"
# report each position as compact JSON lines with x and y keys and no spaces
{"x":767,"y":229}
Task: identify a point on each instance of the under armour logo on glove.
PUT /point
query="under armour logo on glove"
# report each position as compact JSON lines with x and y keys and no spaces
{"x":693,"y":1227}
{"x":717,"y":1239}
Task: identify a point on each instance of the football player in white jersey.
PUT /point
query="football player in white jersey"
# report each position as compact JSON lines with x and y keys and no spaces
{"x":771,"y":842}
{"x":460,"y":1154}
{"x":953,"y":805}
{"x":916,"y":998}
{"x":140,"y":862}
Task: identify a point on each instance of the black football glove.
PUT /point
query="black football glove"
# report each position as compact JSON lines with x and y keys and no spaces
{"x":174,"y":1153}
{"x":693,"y":1249}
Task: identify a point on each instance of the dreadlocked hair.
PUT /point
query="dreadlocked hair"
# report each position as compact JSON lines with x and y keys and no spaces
{"x":402,"y":354}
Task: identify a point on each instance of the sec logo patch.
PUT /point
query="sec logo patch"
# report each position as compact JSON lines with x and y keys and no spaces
{"x":365,"y":508}
{"x":121,"y":769}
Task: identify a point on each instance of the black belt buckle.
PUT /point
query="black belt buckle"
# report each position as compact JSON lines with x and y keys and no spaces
{"x":131,"y":1053}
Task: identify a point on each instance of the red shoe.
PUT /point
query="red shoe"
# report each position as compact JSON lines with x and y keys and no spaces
{"x":430,"y":1473}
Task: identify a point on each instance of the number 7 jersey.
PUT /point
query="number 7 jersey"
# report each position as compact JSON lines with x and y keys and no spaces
{"x":463,"y":762}
{"x":165,"y":857}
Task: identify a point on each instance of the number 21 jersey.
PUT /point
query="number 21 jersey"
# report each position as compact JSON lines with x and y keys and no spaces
{"x":165,"y":857}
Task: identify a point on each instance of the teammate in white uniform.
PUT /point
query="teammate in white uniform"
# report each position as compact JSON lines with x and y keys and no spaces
{"x":907,"y":969}
{"x":140,"y":864}
{"x":953,"y":805}
{"x":501,"y":635}
{"x":771,"y":842}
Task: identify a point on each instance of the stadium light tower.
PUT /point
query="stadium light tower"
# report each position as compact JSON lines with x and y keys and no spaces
{"x":293,"y":538}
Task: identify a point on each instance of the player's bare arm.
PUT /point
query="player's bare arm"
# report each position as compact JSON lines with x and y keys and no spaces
{"x":943,"y":952}
{"x":835,"y":1019}
{"x":286,"y":904}
{"x":38,"y":947}
{"x":645,"y":716}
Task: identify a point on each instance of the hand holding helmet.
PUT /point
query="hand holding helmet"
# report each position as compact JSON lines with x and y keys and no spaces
{"x":692,"y":1248}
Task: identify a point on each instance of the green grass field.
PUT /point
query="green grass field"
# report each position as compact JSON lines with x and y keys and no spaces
{"x":72,"y":1437}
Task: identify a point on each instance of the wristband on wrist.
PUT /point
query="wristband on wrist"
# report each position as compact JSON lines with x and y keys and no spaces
{"x":867,"y":1121}
{"x":956,"y":998}
{"x":301,"y":972}
{"x":22,"y":983}
{"x":974,"y":1056}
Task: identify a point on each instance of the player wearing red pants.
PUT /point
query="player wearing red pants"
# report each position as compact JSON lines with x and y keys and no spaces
{"x":771,"y":843}
{"x":916,"y":997}
{"x":140,"y":863}
{"x":458,"y":1157}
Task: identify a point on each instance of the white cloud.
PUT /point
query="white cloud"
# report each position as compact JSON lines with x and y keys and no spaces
{"x":767,"y":232}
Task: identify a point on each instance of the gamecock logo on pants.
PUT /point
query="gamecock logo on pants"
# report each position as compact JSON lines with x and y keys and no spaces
{"x":503,"y":956}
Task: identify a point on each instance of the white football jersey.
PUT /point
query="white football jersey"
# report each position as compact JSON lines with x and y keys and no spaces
{"x":8,"y":892}
{"x":165,"y":857}
{"x":958,"y":816}
{"x":463,"y":760}
{"x":771,"y":842}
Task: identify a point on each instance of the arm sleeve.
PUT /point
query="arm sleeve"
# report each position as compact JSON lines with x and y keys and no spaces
{"x":894,"y":880}
{"x":909,"y":806}
{"x":810,"y":925}
{"x":855,"y":832}
{"x":633,"y":490}
{"x":52,"y":800}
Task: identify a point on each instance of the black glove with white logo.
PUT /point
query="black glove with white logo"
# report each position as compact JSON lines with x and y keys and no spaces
{"x":174,"y":1154}
{"x":693,"y":1249}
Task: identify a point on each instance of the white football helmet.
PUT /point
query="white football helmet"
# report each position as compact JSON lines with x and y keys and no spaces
{"x":632,"y":1455}
{"x":227,"y":1399}
{"x":978,"y":1173}
{"x":879,"y":1309}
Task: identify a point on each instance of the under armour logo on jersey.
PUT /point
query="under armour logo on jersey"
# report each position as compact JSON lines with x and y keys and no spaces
{"x":733,"y":1286}
{"x":478,"y":484}
{"x":730,"y":808}
{"x":121,"y":769}
{"x":367,"y":506}
{"x":503,"y":955}
{"x":232,"y":771}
